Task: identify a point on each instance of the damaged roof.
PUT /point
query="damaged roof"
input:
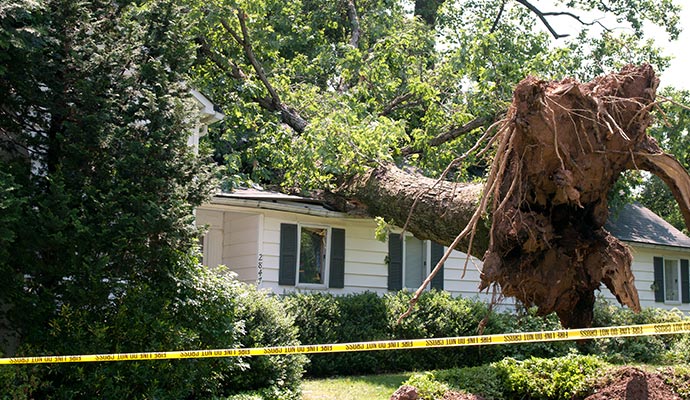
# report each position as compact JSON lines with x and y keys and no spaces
{"x":633,"y":223}
{"x":638,"y":224}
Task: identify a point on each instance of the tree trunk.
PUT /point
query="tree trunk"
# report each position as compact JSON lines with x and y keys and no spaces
{"x":562,"y":147}
{"x":429,"y":208}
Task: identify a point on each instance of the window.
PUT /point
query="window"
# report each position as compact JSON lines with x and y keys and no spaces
{"x":311,"y":255}
{"x":410,"y":261}
{"x":415,"y":268}
{"x":671,"y":280}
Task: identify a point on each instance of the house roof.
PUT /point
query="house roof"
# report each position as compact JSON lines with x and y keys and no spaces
{"x":210,"y":113}
{"x":257,"y":198}
{"x":637,"y":224}
{"x":260,"y":194}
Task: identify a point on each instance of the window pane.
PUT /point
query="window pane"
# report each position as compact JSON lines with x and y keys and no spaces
{"x":671,"y":280}
{"x":415,"y":272}
{"x":312,"y":255}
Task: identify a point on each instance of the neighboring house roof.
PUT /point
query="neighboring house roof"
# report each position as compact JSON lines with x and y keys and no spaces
{"x":637,"y":224}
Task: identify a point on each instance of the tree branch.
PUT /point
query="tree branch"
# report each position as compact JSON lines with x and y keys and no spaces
{"x":272,"y":102}
{"x":498,"y":18}
{"x":450,"y":135}
{"x":541,"y":16}
{"x":394,"y":104}
{"x":246,"y":44}
{"x":576,"y":18}
{"x":224,"y":64}
{"x":354,"y":21}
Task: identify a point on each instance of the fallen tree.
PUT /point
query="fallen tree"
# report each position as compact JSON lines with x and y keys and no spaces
{"x":538,"y":222}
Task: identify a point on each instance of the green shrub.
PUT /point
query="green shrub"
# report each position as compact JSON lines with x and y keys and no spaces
{"x":679,"y":351}
{"x":428,"y":387}
{"x":210,"y":311}
{"x":644,"y":349}
{"x":324,"y":318}
{"x":484,"y":380}
{"x":555,"y":378}
{"x":317,"y":317}
{"x":436,"y":315}
{"x":679,"y":378}
{"x":364,"y":319}
{"x":527,"y":320}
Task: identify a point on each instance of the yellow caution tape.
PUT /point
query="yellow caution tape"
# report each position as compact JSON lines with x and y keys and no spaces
{"x":524,"y":337}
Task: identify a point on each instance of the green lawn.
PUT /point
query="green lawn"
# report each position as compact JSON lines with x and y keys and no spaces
{"x":375,"y":387}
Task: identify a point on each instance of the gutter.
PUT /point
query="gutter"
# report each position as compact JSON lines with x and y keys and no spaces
{"x":273,"y":205}
{"x":656,"y":246}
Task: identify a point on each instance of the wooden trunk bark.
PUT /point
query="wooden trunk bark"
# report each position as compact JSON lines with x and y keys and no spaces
{"x":428,"y":208}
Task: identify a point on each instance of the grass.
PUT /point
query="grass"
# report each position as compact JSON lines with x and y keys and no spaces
{"x":373,"y":387}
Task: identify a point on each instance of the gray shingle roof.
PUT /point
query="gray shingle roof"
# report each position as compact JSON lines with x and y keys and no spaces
{"x":635,"y":223}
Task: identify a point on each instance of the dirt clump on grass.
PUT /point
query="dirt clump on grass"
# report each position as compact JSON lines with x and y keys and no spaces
{"x":452,"y":395}
{"x":630,"y":383}
{"x":407,"y":392}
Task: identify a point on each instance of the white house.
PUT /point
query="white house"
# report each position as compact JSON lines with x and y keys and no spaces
{"x":289,"y":243}
{"x":264,"y":237}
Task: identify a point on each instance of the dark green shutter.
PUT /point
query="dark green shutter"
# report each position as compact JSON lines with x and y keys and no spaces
{"x":659,"y":280}
{"x":336,"y":274}
{"x":287,"y":268}
{"x":436,"y":255}
{"x":684,"y":281}
{"x":395,"y":262}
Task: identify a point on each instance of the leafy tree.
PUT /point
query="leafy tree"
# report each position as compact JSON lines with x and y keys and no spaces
{"x":98,"y":249}
{"x":317,"y":93}
{"x":98,"y":186}
{"x":672,"y":133}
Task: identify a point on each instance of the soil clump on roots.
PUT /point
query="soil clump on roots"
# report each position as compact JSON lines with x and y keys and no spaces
{"x":559,"y":151}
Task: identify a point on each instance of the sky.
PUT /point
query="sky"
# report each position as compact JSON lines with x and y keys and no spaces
{"x":678,"y":74}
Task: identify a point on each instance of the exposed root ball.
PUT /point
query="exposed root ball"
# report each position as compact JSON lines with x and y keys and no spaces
{"x":564,"y":146}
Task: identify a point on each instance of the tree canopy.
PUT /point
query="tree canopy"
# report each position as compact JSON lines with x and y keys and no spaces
{"x":314,"y":93}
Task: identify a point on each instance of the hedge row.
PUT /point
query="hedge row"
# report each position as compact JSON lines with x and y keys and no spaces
{"x":211,"y":311}
{"x":325,"y":318}
{"x":557,"y":378}
{"x":220,"y":312}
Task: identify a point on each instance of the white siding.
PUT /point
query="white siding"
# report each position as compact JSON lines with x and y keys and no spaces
{"x":232,"y":239}
{"x":212,"y":220}
{"x":241,"y":244}
{"x":643,"y":269}
{"x":365,"y":267}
